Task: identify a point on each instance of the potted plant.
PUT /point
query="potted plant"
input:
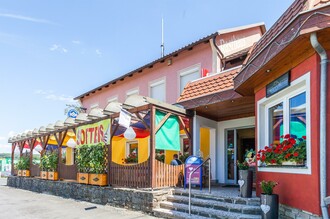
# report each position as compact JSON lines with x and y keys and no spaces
{"x":43,"y":166}
{"x":245,"y":179}
{"x":22,"y":166}
{"x":269,"y":201}
{"x":290,"y":151}
{"x":97,"y":164}
{"x":25,"y":167}
{"x":52,"y":166}
{"x":132,"y":158}
{"x":82,"y":161}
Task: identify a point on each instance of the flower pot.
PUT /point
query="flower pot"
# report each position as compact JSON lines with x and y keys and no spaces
{"x":43,"y":174}
{"x":245,"y":182}
{"x":20,"y":173}
{"x":53,"y":176}
{"x":82,"y":178}
{"x":26,"y":173}
{"x":269,"y":206}
{"x":97,"y":179}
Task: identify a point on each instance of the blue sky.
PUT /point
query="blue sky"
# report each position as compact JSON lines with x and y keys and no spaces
{"x":52,"y":51}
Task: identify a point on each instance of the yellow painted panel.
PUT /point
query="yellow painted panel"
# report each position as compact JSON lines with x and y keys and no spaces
{"x":69,"y":156}
{"x":169,"y":156}
{"x":143,"y":149}
{"x":118,"y":150}
{"x":205,"y":142}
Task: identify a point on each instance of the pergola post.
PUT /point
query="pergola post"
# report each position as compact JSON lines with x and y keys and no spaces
{"x":60,"y":139}
{"x":152,"y":147}
{"x":109,"y":154}
{"x":13,"y":146}
{"x":31,"y":144}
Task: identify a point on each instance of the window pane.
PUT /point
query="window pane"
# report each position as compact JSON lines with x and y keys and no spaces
{"x":158,"y":92}
{"x":185,"y":79}
{"x":298,"y":115}
{"x":230,"y":155}
{"x":275,"y":123}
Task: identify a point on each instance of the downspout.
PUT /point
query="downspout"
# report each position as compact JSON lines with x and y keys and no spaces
{"x":323,"y":119}
{"x":214,"y":44}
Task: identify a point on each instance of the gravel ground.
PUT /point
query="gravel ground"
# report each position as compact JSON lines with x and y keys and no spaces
{"x":22,"y":204}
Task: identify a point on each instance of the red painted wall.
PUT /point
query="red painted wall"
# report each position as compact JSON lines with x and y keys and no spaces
{"x":300,"y":190}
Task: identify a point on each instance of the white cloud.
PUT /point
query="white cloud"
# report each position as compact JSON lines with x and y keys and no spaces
{"x":26,"y":18}
{"x":77,"y":42}
{"x":11,"y":134}
{"x":98,"y":52}
{"x":50,"y":95}
{"x":5,"y":148}
{"x":59,"y":48}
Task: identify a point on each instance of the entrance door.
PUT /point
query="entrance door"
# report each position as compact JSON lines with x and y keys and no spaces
{"x":238,"y":141}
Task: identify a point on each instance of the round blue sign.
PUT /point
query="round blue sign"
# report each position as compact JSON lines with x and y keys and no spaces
{"x":72,"y":113}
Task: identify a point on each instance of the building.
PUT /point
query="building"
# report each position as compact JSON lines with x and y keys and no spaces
{"x":284,"y":74}
{"x":218,"y":55}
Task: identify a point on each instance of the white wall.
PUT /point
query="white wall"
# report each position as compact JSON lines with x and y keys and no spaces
{"x":212,"y":125}
{"x":222,"y":126}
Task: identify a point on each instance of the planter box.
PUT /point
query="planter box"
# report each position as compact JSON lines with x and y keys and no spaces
{"x":26,"y":173}
{"x":20,"y":173}
{"x":292,"y":163}
{"x":82,"y":178}
{"x":53,"y":176}
{"x":43,"y":175}
{"x":98,"y":179}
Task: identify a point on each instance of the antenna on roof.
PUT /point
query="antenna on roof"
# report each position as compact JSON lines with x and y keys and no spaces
{"x":162,"y":45}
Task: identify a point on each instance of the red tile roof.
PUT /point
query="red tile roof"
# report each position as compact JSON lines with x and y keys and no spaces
{"x":261,"y":53}
{"x":209,"y":85}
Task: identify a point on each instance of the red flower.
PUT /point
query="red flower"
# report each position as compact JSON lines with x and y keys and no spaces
{"x":273,"y":161}
{"x":295,"y":154}
{"x":266,"y":147}
{"x":287,"y":136}
{"x":269,"y":150}
{"x":292,"y":141}
{"x":263,"y":158}
{"x":304,"y":137}
{"x":288,"y":155}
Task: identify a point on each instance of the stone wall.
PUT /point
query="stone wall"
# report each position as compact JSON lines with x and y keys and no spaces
{"x":134,"y":199}
{"x":287,"y":212}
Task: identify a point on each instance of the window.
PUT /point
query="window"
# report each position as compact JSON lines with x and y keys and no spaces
{"x":132,"y":152}
{"x":157,"y":90}
{"x":189,"y":75}
{"x":287,"y":112}
{"x":132,"y":92}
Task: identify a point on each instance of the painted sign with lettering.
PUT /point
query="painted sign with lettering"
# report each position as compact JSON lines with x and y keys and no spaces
{"x":95,"y":133}
{"x":191,"y":164}
{"x":278,"y":84}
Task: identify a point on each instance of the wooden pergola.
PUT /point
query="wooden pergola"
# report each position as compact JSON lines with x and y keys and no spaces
{"x":149,"y":174}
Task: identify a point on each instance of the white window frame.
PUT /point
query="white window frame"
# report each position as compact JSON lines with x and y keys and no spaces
{"x":156,"y":83}
{"x":112,"y":99}
{"x":187,"y":71}
{"x":132,"y":91}
{"x":128,"y":144}
{"x":298,"y":86}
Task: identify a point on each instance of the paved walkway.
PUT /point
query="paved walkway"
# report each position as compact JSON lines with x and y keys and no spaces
{"x":22,"y":204}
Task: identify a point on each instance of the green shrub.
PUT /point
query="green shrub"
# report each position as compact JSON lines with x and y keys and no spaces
{"x":23,"y":163}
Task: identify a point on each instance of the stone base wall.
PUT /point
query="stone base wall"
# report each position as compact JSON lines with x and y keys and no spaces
{"x":287,"y":212}
{"x":133,"y":199}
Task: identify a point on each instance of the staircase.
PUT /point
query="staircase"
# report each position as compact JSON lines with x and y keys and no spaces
{"x":204,"y":205}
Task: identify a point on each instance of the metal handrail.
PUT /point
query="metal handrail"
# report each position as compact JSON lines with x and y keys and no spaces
{"x":208,"y":159}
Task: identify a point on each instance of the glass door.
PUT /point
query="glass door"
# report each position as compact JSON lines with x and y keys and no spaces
{"x":238,"y":142}
{"x":231,"y":171}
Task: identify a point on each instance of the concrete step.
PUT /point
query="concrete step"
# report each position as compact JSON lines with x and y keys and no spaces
{"x":215,"y":204}
{"x":254,"y":201}
{"x":205,"y":212}
{"x":166,"y":213}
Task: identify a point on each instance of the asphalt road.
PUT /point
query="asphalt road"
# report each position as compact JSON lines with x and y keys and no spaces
{"x":22,"y":204}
